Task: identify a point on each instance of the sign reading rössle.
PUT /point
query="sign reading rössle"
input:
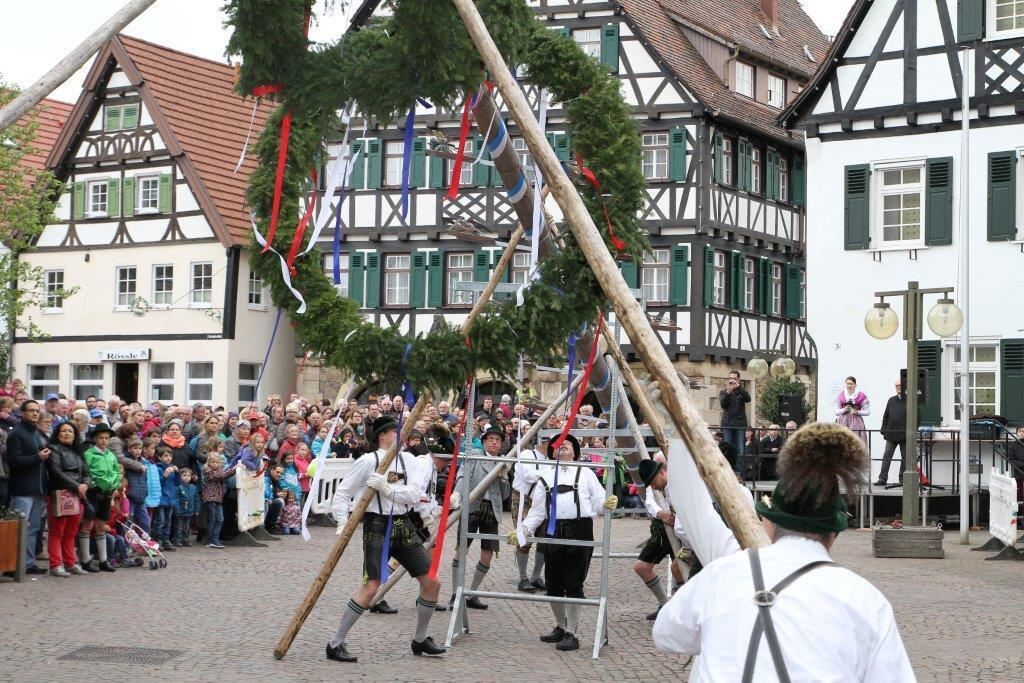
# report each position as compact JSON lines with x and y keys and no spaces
{"x":124,"y":354}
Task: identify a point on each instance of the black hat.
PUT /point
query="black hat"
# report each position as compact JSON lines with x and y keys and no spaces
{"x":649,"y":470}
{"x":575,"y":447}
{"x":382,"y":424}
{"x":493,"y":429}
{"x":101,"y":429}
{"x":439,"y":439}
{"x":483,"y":415}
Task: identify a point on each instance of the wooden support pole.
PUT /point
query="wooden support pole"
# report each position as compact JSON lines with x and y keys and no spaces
{"x":639,"y":393}
{"x":687,"y":420}
{"x":66,"y":68}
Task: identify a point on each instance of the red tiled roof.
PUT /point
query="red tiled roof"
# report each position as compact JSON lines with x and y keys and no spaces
{"x":208,"y":119}
{"x":50,"y":115}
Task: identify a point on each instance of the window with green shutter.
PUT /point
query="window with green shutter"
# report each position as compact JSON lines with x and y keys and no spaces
{"x":938,"y":217}
{"x":793,"y":282}
{"x":435,"y":276}
{"x":113,"y":197}
{"x":357,"y":277}
{"x":418,"y":172}
{"x":166,"y":186}
{"x":1011,"y":354}
{"x":771,"y":176}
{"x":799,"y":182}
{"x":481,"y":171}
{"x":357,"y":176}
{"x":112,"y":115}
{"x":610,"y":47}
{"x":764,"y":286}
{"x":929,"y":359}
{"x":679,"y":275}
{"x":856,"y":225}
{"x":482,"y":266}
{"x":709,"y":276}
{"x":736,"y":280}
{"x":78,"y":200}
{"x":130,"y":117}
{"x":564,"y":31}
{"x":745,"y":152}
{"x":373,"y":278}
{"x":677,"y":155}
{"x":437,"y":179}
{"x":970,"y":20}
{"x":418,"y":280}
{"x":719,"y":158}
{"x":374,"y":167}
{"x":1002,"y":196}
{"x":629,"y":273}
{"x":128,"y":197}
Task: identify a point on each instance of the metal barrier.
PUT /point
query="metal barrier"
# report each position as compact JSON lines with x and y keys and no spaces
{"x":333,"y":472}
{"x":250,"y":499}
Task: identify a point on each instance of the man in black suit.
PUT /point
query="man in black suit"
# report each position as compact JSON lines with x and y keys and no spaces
{"x":894,"y":431}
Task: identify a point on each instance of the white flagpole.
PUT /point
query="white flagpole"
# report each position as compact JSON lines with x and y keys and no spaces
{"x":965,"y":302}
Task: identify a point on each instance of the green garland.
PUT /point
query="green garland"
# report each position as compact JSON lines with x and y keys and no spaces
{"x":423,"y":50}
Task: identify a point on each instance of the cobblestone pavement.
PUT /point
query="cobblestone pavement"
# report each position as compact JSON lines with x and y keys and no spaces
{"x":225,"y":610}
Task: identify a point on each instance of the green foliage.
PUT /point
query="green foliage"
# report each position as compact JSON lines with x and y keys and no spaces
{"x":422,"y":49}
{"x":768,"y":394}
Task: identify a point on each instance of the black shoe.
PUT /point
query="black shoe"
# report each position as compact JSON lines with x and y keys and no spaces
{"x":339,"y":653}
{"x":36,"y":569}
{"x":107,"y":567}
{"x":427,"y":647}
{"x":187,"y":544}
{"x":92,"y":566}
{"x":539,"y":584}
{"x":475,"y":603}
{"x":440,"y":608}
{"x":880,"y":482}
{"x":568,"y":642}
{"x":526,"y":587}
{"x":555,"y":636}
{"x":383,"y":607}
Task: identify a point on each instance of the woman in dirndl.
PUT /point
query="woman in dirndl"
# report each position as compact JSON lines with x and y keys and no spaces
{"x":851,"y":407}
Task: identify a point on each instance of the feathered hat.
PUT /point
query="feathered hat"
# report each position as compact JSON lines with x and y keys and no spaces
{"x":818,"y":463}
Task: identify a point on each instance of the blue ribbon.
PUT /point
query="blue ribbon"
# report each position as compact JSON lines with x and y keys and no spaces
{"x":266,"y":357}
{"x":407,"y":394}
{"x":336,"y":247}
{"x":572,"y":366}
{"x":553,"y":512}
{"x":385,"y":551}
{"x":410,"y":122}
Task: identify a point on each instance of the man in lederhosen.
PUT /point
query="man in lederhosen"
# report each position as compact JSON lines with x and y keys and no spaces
{"x":578,"y":497}
{"x":396,"y":494}
{"x":654,"y":476}
{"x":818,"y":620}
{"x":484,"y":511}
{"x":524,"y":481}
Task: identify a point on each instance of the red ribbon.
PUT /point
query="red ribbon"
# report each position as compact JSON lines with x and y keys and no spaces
{"x":264,"y":90}
{"x":571,"y":420}
{"x":300,"y":230}
{"x":453,"y":186}
{"x":282,"y":158}
{"x":589,"y":176}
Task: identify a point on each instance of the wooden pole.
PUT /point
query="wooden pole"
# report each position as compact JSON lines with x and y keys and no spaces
{"x":639,"y":392}
{"x":65,"y":68}
{"x":687,"y":420}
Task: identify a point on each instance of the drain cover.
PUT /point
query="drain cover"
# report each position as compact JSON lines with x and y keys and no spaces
{"x":121,"y":655}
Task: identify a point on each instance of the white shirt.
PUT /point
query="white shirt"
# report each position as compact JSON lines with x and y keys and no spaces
{"x":591,"y":493}
{"x":525,"y":475}
{"x":429,"y":507}
{"x":653,"y":508}
{"x":405,"y":496}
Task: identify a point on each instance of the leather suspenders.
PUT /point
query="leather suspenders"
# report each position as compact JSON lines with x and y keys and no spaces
{"x":575,"y":488}
{"x":376,"y":464}
{"x":764,"y":600}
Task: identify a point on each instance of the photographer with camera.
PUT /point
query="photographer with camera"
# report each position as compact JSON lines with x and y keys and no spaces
{"x":734,"y":399}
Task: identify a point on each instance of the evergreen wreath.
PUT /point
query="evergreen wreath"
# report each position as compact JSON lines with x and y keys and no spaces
{"x":423,"y":50}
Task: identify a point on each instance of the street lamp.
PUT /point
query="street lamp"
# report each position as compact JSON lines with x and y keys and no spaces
{"x":881,"y":322}
{"x":757,"y":367}
{"x":783,"y":367}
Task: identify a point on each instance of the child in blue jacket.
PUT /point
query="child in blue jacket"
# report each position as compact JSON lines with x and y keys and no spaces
{"x":138,"y":486}
{"x":186,"y":505}
{"x":169,"y":483}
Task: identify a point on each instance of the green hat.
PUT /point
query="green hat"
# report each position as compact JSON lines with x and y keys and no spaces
{"x":649,"y":470}
{"x":382,"y":424}
{"x":495,"y":430}
{"x":831,"y":516}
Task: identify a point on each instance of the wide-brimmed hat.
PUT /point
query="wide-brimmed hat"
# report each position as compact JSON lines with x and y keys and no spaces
{"x":575,"y":447}
{"x":383,"y":424}
{"x":101,"y":429}
{"x":649,"y":470}
{"x":493,"y":430}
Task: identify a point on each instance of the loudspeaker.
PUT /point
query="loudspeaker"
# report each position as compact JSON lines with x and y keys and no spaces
{"x":791,"y":407}
{"x":922,"y":385}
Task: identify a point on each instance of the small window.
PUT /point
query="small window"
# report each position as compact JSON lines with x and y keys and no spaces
{"x":1007,"y":17}
{"x":655,"y":159}
{"x":256,"y":290}
{"x":161,"y":381}
{"x":776,"y":289}
{"x":460,"y":269}
{"x":654,"y":275}
{"x":776,"y":91}
{"x":394,"y":153}
{"x":466,"y":177}
{"x":43,"y":380}
{"x":984,"y":395}
{"x":803,"y":295}
{"x":342,"y":286}
{"x":126,"y":287}
{"x":520,"y":268}
{"x":97,"y":198}
{"x":86,"y":380}
{"x":748,"y":284}
{"x":727,"y":161}
{"x":199,"y":383}
{"x":248,"y":376}
{"x":755,"y":169}
{"x":589,"y":40}
{"x":718,"y":285}
{"x":396,"y":280}
{"x":149,"y":194}
{"x":744,"y":79}
{"x":54,"y":296}
{"x":900,"y":205}
{"x":525,"y":158}
{"x":163,"y":285}
{"x":783,"y":179}
{"x":201,"y":293}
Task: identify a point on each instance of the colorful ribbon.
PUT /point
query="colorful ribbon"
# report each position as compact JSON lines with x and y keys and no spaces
{"x":591,"y":178}
{"x":266,"y":356}
{"x":286,"y":276}
{"x":410,"y":124}
{"x":300,"y":229}
{"x":282,"y":158}
{"x":453,"y":185}
{"x":572,"y":365}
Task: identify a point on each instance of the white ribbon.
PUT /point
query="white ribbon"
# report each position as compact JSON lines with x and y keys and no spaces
{"x":285,"y":275}
{"x":248,"y":135}
{"x":538,"y":208}
{"x":314,"y":486}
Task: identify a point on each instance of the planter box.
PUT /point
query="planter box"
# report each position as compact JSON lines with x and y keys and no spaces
{"x":917,"y":542}
{"x":13,"y":542}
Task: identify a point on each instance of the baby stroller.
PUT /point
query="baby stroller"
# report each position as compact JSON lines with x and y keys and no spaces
{"x":141,"y":544}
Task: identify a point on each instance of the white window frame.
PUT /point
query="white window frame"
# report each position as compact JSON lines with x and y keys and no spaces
{"x":1020,"y":194}
{"x":160,"y":382}
{"x":466,"y":177}
{"x":143,"y":194}
{"x":951,"y":372}
{"x":162,"y":299}
{"x":655,"y":276}
{"x":248,"y":384}
{"x":776,"y":91}
{"x":394,"y":270}
{"x":991,"y":22}
{"x":803,"y":294}
{"x":394,"y":153}
{"x":878,"y":193}
{"x":520,"y":267}
{"x":90,"y":211}
{"x":589,"y":40}
{"x":256,"y":299}
{"x":525,"y":158}
{"x":783,"y":179}
{"x":776,"y":289}
{"x":131,"y":287}
{"x":120,"y":117}
{"x":718,"y":282}
{"x":655,"y":156}
{"x":727,"y":150}
{"x":196,"y":299}
{"x":749,"y":284}
{"x":80,"y":388}
{"x":755,"y":170}
{"x":39,"y":388}
{"x":745,"y":86}
{"x":195,"y":382}
{"x":343,"y":271}
{"x":53,"y":281}
{"x":457,"y":270}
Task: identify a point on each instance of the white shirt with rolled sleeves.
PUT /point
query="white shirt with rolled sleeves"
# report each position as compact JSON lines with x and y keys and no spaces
{"x":592,"y":497}
{"x":525,"y":474}
{"x":427,"y":507}
{"x":406,"y":493}
{"x":832,"y":624}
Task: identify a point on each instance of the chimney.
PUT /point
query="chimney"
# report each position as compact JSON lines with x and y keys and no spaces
{"x":770,"y":8}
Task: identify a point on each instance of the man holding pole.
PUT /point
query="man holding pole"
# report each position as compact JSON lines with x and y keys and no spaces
{"x":387,"y":531}
{"x":654,"y":475}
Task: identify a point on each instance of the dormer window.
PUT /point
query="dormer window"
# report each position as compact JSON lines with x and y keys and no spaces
{"x":744,"y":79}
{"x":776,"y":91}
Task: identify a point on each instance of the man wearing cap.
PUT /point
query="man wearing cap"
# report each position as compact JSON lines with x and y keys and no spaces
{"x":807,"y":618}
{"x":654,"y":475}
{"x":577,"y":497}
{"x":485,"y":511}
{"x":525,"y":475}
{"x":395,"y":494}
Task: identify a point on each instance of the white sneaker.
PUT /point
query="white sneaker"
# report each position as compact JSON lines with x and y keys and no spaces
{"x":77,"y":570}
{"x":60,"y":571}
